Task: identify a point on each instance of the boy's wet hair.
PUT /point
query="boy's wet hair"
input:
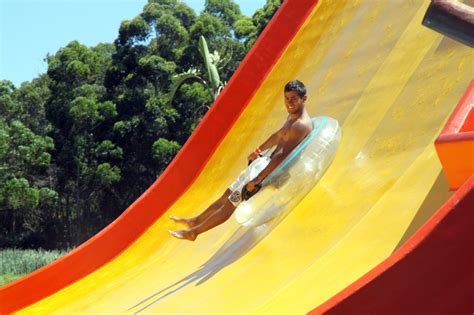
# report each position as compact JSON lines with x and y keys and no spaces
{"x":296,"y":85}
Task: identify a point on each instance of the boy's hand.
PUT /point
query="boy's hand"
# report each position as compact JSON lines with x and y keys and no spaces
{"x":251,"y":185}
{"x":253,"y":156}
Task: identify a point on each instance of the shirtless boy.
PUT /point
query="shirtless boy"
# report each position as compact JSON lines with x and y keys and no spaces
{"x":297,"y":126}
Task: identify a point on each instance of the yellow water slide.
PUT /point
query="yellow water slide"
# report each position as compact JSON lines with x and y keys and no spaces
{"x":391,"y":84}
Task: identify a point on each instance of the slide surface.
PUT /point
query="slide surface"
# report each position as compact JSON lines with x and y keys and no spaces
{"x":390,"y":82}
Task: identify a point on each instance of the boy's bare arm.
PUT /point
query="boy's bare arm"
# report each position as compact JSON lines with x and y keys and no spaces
{"x":270,"y":142}
{"x":296,"y":134}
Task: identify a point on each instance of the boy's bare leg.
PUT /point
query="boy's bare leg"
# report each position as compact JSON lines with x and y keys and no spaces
{"x":191,"y":222}
{"x":218,"y":217}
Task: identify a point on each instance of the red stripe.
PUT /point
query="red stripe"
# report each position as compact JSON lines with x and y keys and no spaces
{"x":177,"y":178}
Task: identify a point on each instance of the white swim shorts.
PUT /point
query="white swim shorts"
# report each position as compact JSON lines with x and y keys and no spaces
{"x":246,"y":176}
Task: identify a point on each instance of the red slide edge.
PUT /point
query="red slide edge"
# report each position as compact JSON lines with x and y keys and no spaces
{"x":461,"y":121}
{"x":461,"y":115}
{"x":432,"y":273}
{"x":177,"y":178}
{"x":457,"y":137}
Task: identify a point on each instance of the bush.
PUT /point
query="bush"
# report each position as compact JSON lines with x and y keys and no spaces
{"x":19,"y":262}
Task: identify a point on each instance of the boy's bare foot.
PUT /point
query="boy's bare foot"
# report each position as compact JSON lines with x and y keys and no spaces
{"x":189,"y":235}
{"x":189,"y":222}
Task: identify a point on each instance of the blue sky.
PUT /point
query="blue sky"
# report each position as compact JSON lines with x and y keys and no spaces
{"x":29,"y":29}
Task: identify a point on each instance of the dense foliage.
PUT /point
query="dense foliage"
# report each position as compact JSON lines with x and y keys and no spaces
{"x":81,"y":142}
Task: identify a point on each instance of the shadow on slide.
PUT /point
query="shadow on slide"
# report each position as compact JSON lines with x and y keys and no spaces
{"x":241,"y":242}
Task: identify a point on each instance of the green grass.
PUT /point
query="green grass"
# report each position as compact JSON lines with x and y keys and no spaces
{"x":15,"y":263}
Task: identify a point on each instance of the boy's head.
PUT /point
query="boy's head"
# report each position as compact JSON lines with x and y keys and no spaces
{"x":295,"y":96}
{"x":296,"y":85}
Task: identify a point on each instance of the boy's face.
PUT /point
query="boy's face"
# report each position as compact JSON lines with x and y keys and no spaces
{"x":293,"y":102}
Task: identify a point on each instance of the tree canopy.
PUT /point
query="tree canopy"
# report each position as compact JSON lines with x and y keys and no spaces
{"x":81,"y":142}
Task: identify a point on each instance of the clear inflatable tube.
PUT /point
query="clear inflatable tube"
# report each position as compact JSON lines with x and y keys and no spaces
{"x":292,"y":180}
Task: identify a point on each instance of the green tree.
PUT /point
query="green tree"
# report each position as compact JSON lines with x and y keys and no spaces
{"x":260,"y":19}
{"x":244,"y":28}
{"x":226,"y":11}
{"x":25,"y":159}
{"x":82,"y":119}
{"x":164,"y":150}
{"x":81,"y":142}
{"x":212,"y":81}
